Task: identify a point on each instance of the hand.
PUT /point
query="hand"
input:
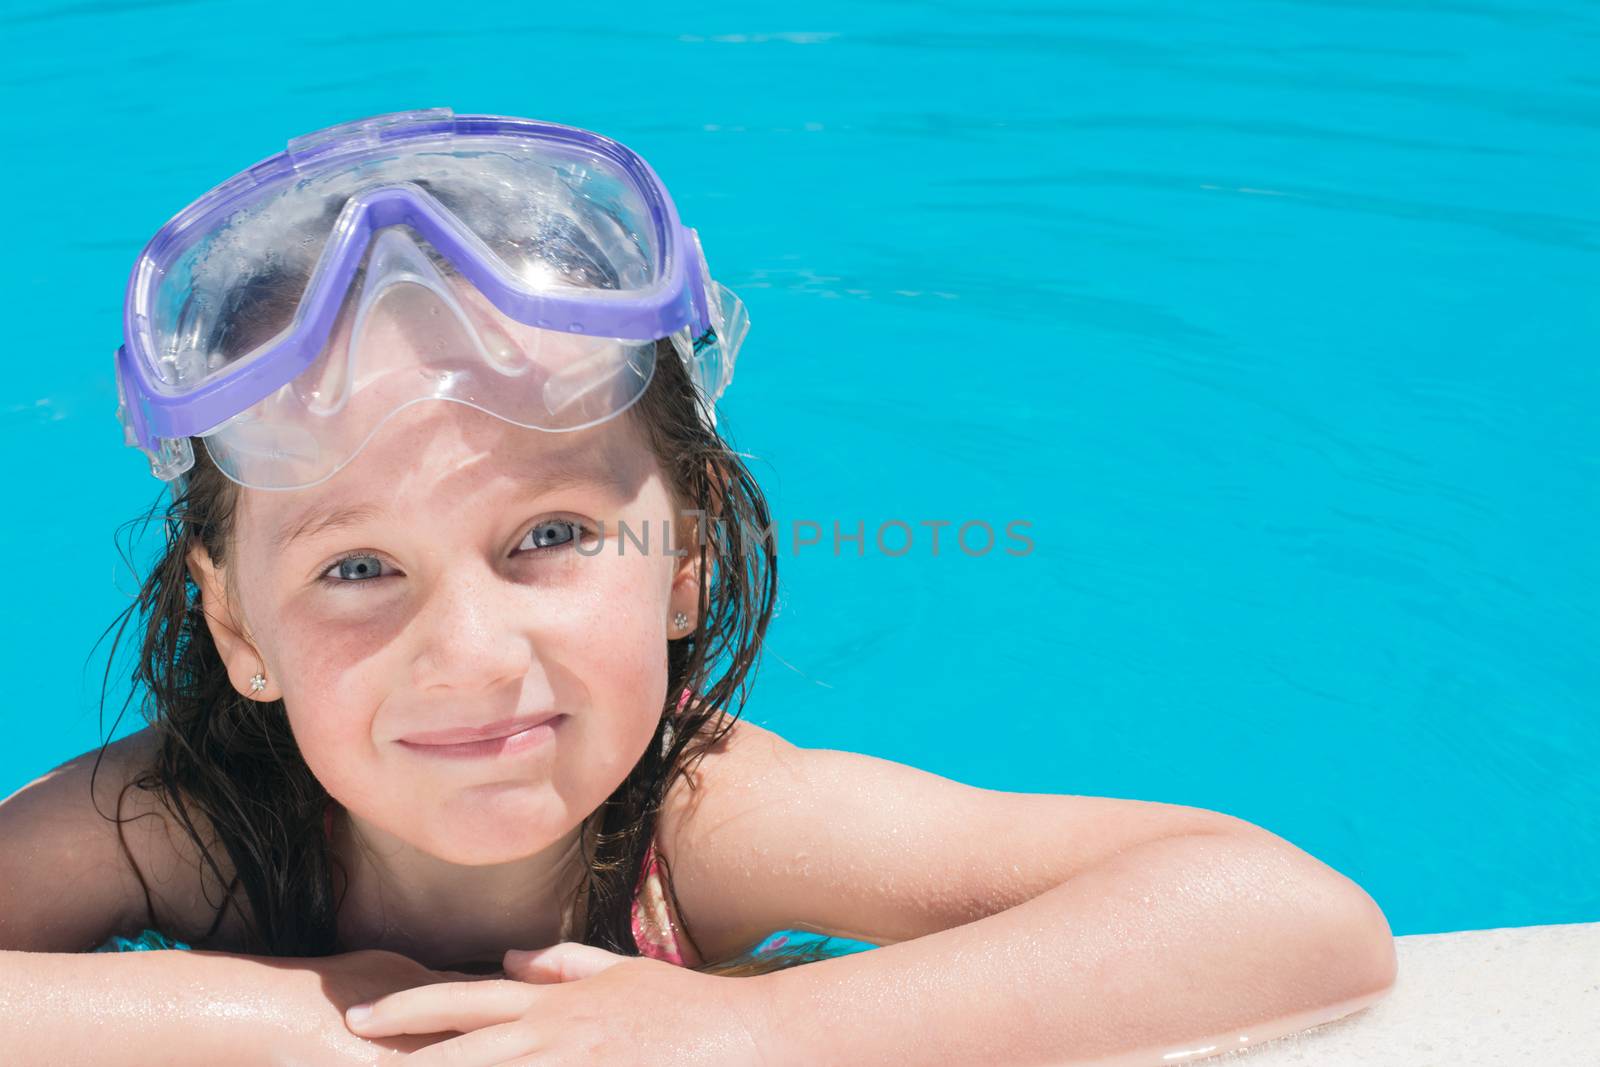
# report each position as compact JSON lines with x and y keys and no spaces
{"x":573,"y":1004}
{"x":320,"y":989}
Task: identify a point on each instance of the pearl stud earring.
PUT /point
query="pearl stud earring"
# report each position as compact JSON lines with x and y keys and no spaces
{"x":258,"y":682}
{"x":680,"y":620}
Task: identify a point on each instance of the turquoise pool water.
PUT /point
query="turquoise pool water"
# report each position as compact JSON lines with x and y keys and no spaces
{"x":1276,"y":321}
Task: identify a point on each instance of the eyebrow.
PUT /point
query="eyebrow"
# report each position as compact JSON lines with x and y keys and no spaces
{"x":329,"y":516}
{"x":324,"y":518}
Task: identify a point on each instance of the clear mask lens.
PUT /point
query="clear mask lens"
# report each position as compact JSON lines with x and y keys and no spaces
{"x":412,"y":330}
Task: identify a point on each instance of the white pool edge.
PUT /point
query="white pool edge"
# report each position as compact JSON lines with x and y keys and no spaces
{"x":1501,"y":998}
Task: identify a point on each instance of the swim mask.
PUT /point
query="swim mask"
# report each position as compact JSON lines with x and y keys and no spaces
{"x":524,"y":268}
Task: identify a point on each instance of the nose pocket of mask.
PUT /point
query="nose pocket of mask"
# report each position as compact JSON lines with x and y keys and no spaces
{"x":396,"y":259}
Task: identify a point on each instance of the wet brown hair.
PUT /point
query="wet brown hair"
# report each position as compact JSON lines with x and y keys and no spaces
{"x":233,"y":761}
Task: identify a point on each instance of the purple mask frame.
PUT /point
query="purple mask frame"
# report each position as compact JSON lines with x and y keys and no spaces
{"x":675,"y":300}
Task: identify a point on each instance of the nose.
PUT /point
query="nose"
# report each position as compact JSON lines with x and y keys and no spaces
{"x":472,"y":632}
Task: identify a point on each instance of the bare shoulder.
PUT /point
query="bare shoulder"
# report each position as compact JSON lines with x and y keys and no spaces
{"x":84,"y":843}
{"x":716,"y":830}
{"x":743,"y":755}
{"x":748,"y":767}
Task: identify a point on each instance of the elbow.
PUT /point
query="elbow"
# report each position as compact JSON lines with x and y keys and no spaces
{"x":1355,"y":947}
{"x":1338,"y":941}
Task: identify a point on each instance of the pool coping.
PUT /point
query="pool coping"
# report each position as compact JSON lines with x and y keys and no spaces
{"x":1505,"y":996}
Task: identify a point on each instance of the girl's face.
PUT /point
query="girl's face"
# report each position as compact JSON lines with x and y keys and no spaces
{"x":454,"y":575}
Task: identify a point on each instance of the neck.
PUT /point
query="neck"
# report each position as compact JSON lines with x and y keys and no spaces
{"x":452,"y":917}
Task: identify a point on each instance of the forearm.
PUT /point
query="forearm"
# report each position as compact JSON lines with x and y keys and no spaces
{"x":170,"y":1008}
{"x":1172,"y":946}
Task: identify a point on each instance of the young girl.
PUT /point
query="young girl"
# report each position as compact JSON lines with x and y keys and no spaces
{"x":444,"y":754}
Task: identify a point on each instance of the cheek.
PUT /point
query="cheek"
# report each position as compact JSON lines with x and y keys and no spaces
{"x":330,"y":679}
{"x":612,"y":643}
{"x":623,"y":622}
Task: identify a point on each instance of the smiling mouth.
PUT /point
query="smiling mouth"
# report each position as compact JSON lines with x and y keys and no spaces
{"x":464,"y":735}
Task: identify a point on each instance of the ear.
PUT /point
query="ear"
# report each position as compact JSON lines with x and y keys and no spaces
{"x":684,"y":596}
{"x":239,"y":656}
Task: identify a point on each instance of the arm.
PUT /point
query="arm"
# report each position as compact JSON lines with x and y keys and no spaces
{"x":174,"y":1009}
{"x":130,"y":1008}
{"x":1198,"y":943}
{"x":66,"y":885}
{"x":1019,"y":928}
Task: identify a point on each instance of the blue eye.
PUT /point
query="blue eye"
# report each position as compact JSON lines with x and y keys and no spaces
{"x":355,"y":569}
{"x":553,"y":533}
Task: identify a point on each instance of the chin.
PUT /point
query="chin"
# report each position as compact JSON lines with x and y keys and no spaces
{"x":504,"y":830}
{"x":484,"y":855}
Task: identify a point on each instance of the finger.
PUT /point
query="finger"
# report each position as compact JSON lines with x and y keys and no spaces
{"x":430,"y":1009}
{"x":493,"y":1046}
{"x":567,"y":961}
